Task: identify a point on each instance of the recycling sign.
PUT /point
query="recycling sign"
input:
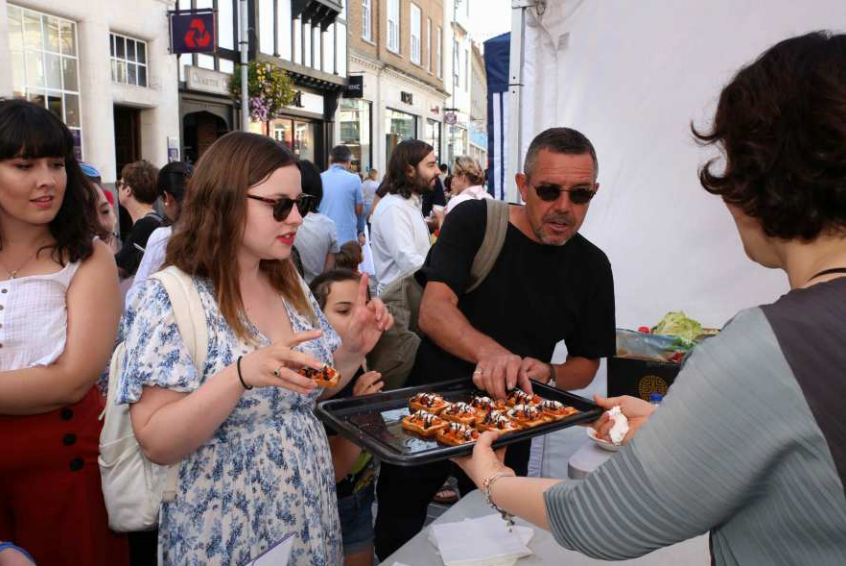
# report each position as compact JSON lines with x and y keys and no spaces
{"x":193,"y":31}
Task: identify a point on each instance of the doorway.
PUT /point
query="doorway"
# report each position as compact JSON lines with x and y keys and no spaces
{"x":199,"y":131}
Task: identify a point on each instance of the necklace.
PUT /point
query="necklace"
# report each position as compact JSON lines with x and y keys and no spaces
{"x":14,"y":273}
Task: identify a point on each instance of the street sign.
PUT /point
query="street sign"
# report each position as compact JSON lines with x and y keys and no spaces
{"x":355,"y":87}
{"x":450,"y":118}
{"x":193,"y":31}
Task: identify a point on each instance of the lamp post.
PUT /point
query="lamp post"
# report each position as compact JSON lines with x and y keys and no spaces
{"x":244,"y":44}
{"x":454,"y":109}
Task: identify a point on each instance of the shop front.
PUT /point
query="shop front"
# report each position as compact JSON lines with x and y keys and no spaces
{"x":303,"y":127}
{"x":207,"y":111}
{"x":355,"y":116}
{"x":399,"y":126}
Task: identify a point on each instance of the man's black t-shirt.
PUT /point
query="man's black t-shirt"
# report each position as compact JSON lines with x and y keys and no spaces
{"x":535,"y":296}
{"x":129,"y":256}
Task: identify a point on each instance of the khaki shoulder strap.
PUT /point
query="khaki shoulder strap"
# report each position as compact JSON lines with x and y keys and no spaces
{"x":191,"y":320}
{"x":496,"y":227}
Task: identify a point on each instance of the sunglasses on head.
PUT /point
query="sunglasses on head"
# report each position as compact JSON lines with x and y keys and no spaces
{"x":550,"y":193}
{"x":282,"y":207}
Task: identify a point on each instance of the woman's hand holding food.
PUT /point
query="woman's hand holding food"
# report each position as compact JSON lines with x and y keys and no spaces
{"x":276,"y":365}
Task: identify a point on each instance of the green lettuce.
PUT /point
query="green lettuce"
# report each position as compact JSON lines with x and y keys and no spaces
{"x":678,"y":324}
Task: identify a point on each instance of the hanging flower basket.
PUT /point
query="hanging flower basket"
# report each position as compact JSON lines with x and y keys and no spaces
{"x":270,"y":90}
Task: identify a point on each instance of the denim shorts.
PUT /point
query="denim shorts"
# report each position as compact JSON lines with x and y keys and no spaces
{"x":356,"y":513}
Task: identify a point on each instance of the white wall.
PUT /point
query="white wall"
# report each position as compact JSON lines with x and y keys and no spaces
{"x":95,"y":19}
{"x":632,"y":76}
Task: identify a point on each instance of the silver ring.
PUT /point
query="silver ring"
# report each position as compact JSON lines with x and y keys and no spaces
{"x":277,"y":371}
{"x":478,"y":371}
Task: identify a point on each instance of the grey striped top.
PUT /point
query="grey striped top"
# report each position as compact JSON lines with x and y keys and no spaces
{"x":750,"y":445}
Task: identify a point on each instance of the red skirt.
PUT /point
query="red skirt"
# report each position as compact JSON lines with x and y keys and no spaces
{"x":51,"y":502}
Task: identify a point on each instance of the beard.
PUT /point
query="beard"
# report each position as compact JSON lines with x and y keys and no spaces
{"x":421,"y":185}
{"x":553,"y":239}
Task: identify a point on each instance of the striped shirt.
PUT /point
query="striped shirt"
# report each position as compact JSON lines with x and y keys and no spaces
{"x":750,"y":445}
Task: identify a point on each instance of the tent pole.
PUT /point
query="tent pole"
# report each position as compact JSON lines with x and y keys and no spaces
{"x":515,"y":93}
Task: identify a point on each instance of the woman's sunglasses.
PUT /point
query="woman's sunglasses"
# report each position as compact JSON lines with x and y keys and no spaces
{"x":282,"y":207}
{"x":550,"y":193}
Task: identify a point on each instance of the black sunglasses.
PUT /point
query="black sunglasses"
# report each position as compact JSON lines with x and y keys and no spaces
{"x":550,"y":193}
{"x":282,"y":207}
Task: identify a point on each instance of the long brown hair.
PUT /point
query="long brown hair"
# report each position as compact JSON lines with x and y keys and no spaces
{"x":409,"y":152}
{"x":213,"y":217}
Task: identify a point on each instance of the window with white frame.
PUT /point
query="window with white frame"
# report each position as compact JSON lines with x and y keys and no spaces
{"x":429,"y":44}
{"x":415,"y":34}
{"x":438,"y":56}
{"x":45,"y":64}
{"x":467,"y":70}
{"x":394,"y":25}
{"x":456,"y":64}
{"x":129,"y":60}
{"x":366,"y":25}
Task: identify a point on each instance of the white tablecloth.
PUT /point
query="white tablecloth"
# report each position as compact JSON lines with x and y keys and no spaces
{"x":419,"y":551}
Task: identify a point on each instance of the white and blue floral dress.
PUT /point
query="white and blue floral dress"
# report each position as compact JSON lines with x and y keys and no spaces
{"x":265,"y":473}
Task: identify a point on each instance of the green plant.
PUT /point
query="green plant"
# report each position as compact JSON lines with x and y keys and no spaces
{"x":270,"y":89}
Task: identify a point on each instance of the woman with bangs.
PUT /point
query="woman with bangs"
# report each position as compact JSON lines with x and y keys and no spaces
{"x":254,"y":461}
{"x":59,"y":311}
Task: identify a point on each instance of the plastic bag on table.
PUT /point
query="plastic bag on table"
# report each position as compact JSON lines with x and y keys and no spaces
{"x":657,"y":347}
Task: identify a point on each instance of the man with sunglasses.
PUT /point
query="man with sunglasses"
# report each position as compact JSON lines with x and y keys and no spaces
{"x":549,"y":284}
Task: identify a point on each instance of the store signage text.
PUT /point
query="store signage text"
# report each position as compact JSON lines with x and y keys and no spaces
{"x":205,"y":80}
{"x":354,"y":87}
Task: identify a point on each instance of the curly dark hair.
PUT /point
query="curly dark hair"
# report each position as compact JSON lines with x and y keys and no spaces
{"x":142,"y":176}
{"x":408,"y":152}
{"x":781,"y":123}
{"x":30,"y":131}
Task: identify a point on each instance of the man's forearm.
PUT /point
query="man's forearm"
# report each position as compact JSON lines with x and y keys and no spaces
{"x":454,"y":333}
{"x":575,"y":373}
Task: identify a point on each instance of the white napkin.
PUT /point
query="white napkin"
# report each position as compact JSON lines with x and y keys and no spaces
{"x":621,"y":425}
{"x":485,"y":541}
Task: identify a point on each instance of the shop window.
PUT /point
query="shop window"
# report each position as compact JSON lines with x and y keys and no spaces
{"x":399,"y":126}
{"x":356,"y":133}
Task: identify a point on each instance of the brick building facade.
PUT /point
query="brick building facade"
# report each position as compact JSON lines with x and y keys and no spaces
{"x":397,"y":47}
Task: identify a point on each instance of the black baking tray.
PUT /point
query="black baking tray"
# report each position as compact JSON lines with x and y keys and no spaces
{"x":374,"y":421}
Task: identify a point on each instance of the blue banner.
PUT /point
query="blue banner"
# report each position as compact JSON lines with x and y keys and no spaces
{"x":497,"y":57}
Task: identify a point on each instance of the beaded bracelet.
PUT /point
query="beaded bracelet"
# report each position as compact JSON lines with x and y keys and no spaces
{"x":487,"y":485}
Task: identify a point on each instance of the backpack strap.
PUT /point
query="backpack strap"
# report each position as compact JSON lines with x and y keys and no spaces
{"x":496,"y":227}
{"x":191,"y":322}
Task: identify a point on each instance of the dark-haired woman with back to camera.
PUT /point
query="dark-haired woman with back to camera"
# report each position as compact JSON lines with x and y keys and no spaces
{"x":171,"y":185}
{"x":59,"y":310}
{"x":317,"y":238}
{"x":750,"y":444}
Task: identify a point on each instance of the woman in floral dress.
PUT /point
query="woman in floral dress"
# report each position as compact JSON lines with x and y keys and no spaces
{"x":254,"y":461}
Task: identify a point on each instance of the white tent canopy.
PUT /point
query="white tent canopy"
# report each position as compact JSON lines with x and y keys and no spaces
{"x":632,"y":76}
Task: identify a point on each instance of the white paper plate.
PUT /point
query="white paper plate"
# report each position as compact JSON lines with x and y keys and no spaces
{"x":604,"y":444}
